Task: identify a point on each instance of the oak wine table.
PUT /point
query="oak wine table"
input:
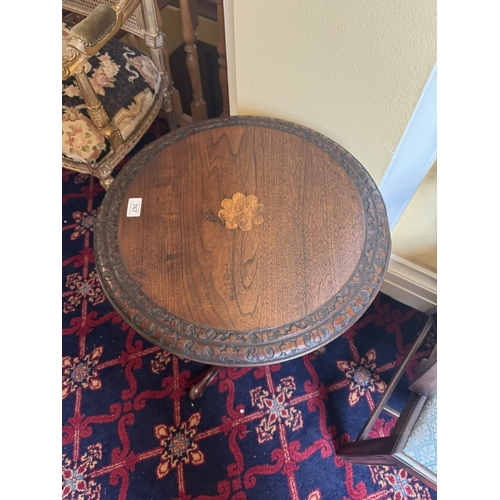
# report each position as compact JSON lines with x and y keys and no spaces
{"x":242,"y":241}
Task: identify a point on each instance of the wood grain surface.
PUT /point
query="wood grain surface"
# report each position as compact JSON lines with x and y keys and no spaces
{"x":295,"y":279}
{"x":185,"y":258}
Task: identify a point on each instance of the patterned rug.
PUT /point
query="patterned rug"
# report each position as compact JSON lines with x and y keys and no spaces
{"x":130,"y":431}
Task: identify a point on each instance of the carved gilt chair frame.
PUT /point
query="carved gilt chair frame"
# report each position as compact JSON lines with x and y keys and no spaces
{"x":104,"y":19}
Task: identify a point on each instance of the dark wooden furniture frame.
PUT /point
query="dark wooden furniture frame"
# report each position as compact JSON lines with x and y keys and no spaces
{"x":389,"y":450}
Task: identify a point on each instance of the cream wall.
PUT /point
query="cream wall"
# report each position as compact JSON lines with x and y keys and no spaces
{"x":415,"y":236}
{"x":352,"y":70}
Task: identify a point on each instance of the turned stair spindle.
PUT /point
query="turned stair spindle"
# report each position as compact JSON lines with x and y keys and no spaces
{"x":221,"y":49}
{"x":198,"y":105}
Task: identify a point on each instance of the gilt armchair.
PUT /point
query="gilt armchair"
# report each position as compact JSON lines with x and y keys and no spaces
{"x":111,"y":91}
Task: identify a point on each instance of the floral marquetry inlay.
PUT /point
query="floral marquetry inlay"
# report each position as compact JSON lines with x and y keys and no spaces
{"x":241,"y":211}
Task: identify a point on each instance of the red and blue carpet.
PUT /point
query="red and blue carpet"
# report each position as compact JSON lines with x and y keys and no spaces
{"x":130,"y":431}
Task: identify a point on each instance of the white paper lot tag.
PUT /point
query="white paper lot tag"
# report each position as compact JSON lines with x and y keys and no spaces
{"x":134,"y":207}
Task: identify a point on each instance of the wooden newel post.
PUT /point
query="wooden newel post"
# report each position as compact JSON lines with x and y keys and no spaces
{"x":198,"y":106}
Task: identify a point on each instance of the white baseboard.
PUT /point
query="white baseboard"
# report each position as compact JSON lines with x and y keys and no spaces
{"x":410,"y":284}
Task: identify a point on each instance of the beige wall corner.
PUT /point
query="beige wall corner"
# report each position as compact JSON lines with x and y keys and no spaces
{"x":415,"y":236}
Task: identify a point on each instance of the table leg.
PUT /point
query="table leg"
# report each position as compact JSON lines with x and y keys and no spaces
{"x":319,"y":351}
{"x":197,"y":389}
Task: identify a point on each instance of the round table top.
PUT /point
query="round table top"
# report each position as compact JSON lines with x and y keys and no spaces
{"x":242,"y":240}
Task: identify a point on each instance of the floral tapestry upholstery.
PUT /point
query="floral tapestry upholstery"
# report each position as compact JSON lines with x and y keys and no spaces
{"x":422,"y":442}
{"x":126,"y":82}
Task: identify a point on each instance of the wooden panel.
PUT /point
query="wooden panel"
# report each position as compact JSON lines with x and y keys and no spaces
{"x":186,"y":260}
{"x":224,"y":286}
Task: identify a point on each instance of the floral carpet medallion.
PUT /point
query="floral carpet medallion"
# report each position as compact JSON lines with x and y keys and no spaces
{"x":363,"y":377}
{"x":129,"y":430}
{"x":83,"y":222}
{"x":77,"y":482}
{"x":277,"y":409}
{"x":398,"y":483}
{"x":80,"y":372}
{"x":178,"y":444}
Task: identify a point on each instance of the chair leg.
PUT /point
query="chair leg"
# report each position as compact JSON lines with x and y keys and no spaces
{"x":369,"y":452}
{"x":106,"y":182}
{"x":171,"y":118}
{"x":319,"y":351}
